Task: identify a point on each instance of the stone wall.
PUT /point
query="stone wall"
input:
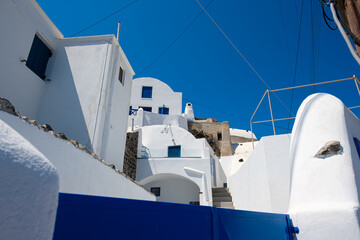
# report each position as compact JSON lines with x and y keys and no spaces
{"x":237,"y":139}
{"x":220,"y":132}
{"x":130,"y":157}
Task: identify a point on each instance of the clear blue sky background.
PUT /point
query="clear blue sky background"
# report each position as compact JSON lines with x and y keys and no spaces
{"x":204,"y":66}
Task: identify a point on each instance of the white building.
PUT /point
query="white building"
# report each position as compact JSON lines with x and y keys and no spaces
{"x":176,"y":166}
{"x":155,"y":96}
{"x":80,"y":86}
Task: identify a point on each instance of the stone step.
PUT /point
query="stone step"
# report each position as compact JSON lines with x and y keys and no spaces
{"x":222,"y":199}
{"x":221,"y":189}
{"x":221,"y":194}
{"x":223,"y":205}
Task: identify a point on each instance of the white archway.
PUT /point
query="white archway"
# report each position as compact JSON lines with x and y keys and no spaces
{"x":173,"y":188}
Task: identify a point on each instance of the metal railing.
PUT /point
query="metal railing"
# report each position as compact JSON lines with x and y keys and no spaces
{"x":267,"y":92}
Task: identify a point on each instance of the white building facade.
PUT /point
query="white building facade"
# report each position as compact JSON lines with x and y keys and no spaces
{"x":155,"y":96}
{"x":80,"y":86}
{"x":176,"y":166}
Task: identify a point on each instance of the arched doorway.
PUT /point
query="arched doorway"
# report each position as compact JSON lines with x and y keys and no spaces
{"x":172,"y":188}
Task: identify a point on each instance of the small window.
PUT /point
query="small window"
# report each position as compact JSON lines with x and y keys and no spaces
{"x":121,"y":76}
{"x":219,"y":136}
{"x":155,"y":191}
{"x":147,"y":109}
{"x":174,"y":151}
{"x":146,"y":92}
{"x":164,"y":110}
{"x":38,"y":57}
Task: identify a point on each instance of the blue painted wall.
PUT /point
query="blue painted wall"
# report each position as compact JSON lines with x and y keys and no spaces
{"x":91,"y":217}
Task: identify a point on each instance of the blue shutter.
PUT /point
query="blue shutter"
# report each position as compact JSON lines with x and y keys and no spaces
{"x":174,"y":151}
{"x":38,"y":57}
{"x":146,"y":92}
{"x":164,"y":110}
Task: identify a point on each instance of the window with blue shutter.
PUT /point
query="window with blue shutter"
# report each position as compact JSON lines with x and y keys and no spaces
{"x":174,"y":151}
{"x":146,"y":92}
{"x":38,"y":57}
{"x":146,"y":109}
{"x":164,"y":110}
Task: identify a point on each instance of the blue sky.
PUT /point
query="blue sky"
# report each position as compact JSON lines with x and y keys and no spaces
{"x":205,"y":67}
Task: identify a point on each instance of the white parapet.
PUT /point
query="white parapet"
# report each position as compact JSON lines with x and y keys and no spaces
{"x":324,"y":190}
{"x":29,"y":186}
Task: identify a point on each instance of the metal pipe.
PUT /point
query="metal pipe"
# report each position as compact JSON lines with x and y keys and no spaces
{"x":353,"y":107}
{"x":272,"y":117}
{"x":343,"y":33}
{"x":118,"y":31}
{"x":258,"y":105}
{"x":279,"y":119}
{"x":313,"y":84}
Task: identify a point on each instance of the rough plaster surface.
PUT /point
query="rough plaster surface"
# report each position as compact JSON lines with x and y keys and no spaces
{"x":324,"y":192}
{"x":29,"y":186}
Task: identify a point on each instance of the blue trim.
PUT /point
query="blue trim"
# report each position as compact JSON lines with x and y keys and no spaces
{"x":357,"y":144}
{"x":163,"y":110}
{"x":174,"y":151}
{"x":155,"y":188}
{"x":146,"y":109}
{"x":146,"y":92}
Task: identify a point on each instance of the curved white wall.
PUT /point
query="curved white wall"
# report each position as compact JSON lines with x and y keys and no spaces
{"x":325,"y":192}
{"x":162,"y":95}
{"x":79,"y":172}
{"x":173,"y":188}
{"x":143,"y":118}
{"x":29,"y":186}
{"x":161,"y":136}
{"x":262,"y":182}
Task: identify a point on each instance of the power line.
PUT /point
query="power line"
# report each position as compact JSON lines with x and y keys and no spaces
{"x":174,"y":41}
{"x":296,"y":60}
{"x":103,"y":19}
{"x":238,"y":51}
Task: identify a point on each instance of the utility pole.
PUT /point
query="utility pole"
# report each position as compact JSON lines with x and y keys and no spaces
{"x":350,"y":13}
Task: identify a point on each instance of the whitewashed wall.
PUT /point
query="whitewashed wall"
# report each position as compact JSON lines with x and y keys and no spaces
{"x":85,"y":99}
{"x":162,"y":95}
{"x":143,"y":118}
{"x":79,"y":172}
{"x":325,"y":191}
{"x":262,"y":182}
{"x":195,"y":163}
{"x":29,"y":186}
{"x":20,"y":20}
{"x":174,"y":188}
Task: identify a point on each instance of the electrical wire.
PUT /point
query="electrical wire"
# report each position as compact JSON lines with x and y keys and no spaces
{"x":104,"y":18}
{"x":238,"y":51}
{"x":325,"y":16}
{"x":296,"y":61}
{"x":174,"y":41}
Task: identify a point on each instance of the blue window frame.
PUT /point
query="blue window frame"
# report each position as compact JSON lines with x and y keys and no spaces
{"x":164,"y":110}
{"x":155,"y":191}
{"x":146,"y":92}
{"x":147,"y":109}
{"x":38,"y":57}
{"x":174,"y":151}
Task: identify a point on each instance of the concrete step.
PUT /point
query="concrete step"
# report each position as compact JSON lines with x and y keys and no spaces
{"x":221,"y":194}
{"x":222,"y":199}
{"x":220,"y":189}
{"x":223,"y":205}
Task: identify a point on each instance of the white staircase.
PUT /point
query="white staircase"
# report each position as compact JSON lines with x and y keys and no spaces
{"x":222,"y":198}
